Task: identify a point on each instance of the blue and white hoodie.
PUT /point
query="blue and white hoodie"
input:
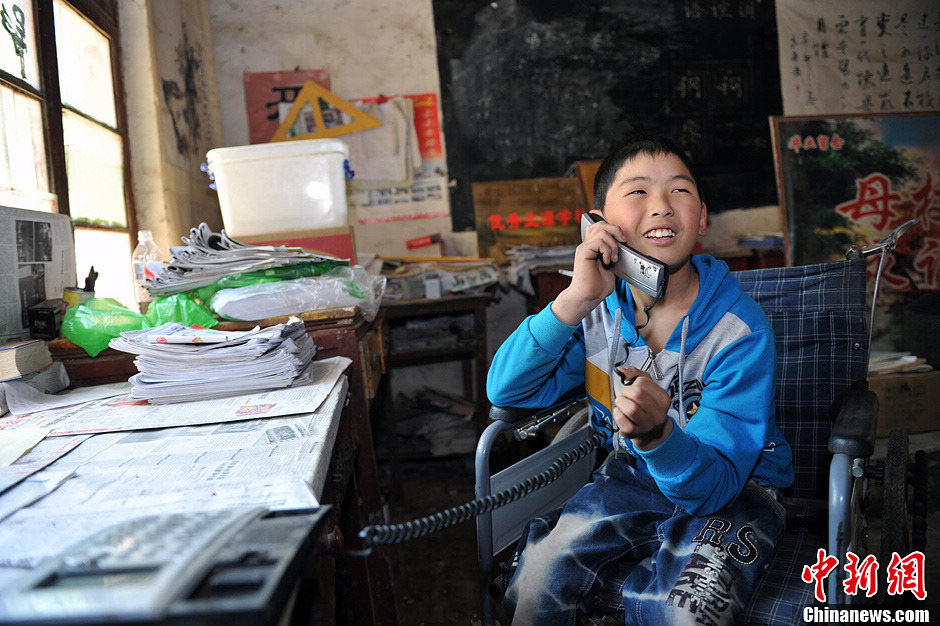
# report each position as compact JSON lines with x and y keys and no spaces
{"x":717,"y":367}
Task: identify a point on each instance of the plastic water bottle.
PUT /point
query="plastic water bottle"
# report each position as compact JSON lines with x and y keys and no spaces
{"x":145,"y":253}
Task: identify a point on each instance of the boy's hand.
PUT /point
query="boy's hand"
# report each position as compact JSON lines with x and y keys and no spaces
{"x":590,"y":283}
{"x":640,"y":410}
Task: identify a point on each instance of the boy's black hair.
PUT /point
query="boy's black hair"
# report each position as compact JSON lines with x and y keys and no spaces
{"x":654,"y":145}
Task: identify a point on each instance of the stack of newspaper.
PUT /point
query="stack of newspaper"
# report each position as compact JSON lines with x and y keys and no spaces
{"x":177,"y":363}
{"x":209,"y":256}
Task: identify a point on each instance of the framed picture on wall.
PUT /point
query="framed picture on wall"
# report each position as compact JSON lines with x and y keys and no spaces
{"x":844,"y":180}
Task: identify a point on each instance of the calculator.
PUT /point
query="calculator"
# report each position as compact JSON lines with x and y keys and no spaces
{"x":225,"y":566}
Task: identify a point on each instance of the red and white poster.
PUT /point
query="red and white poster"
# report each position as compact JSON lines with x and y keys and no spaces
{"x":266,"y":91}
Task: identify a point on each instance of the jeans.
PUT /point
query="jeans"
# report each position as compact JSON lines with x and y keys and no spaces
{"x":677,"y":568}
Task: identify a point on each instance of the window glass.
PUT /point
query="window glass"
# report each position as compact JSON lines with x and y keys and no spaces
{"x":84,"y":65}
{"x":95,"y":168}
{"x":18,"y":41}
{"x":22,"y":152}
{"x":110,"y":253}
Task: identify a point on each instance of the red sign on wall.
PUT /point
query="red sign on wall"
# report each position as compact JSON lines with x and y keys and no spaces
{"x":265,"y":91}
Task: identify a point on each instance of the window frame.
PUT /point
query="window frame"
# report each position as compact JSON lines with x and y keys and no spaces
{"x":103,"y":15}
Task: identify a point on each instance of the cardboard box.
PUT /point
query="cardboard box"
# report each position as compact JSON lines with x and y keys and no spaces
{"x":907,"y":400}
{"x":45,"y":318}
{"x":339,"y":241}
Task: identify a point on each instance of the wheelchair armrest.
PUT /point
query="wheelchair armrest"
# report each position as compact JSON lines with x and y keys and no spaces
{"x":853,"y":432}
{"x":519,"y":415}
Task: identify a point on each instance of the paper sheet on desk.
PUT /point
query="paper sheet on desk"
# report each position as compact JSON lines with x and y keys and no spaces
{"x":23,"y":398}
{"x":16,"y":443}
{"x":119,"y":476}
{"x":31,"y":490}
{"x":121,"y":413}
{"x":46,"y":452}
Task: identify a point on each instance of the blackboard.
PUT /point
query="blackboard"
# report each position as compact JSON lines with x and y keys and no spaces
{"x":529,"y":87}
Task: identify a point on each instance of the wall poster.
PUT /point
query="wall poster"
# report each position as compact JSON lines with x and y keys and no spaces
{"x":852,"y":179}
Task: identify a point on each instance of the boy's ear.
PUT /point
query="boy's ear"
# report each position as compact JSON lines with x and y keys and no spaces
{"x":703,"y":221}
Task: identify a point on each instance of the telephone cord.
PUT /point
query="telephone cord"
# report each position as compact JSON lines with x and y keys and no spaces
{"x":406,"y":531}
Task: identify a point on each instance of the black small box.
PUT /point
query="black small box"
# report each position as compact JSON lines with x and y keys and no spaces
{"x":45,"y":318}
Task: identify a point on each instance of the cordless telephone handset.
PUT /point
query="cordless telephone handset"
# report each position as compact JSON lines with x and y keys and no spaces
{"x":641,"y":271}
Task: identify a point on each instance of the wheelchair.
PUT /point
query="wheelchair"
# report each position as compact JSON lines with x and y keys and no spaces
{"x":826,"y":412}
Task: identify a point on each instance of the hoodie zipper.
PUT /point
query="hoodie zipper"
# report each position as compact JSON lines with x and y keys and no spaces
{"x":649,"y":365}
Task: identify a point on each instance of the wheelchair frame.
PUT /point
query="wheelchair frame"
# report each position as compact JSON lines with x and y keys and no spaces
{"x":851,"y":443}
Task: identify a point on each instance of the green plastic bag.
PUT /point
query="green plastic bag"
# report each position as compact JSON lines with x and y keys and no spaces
{"x":270,"y":275}
{"x":93,"y":324}
{"x":180,"y":307}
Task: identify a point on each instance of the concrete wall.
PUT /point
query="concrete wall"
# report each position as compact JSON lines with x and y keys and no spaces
{"x":368,"y":46}
{"x":173,"y":114}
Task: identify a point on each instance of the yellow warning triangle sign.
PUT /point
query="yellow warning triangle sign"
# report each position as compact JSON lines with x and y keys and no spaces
{"x":312,"y":94}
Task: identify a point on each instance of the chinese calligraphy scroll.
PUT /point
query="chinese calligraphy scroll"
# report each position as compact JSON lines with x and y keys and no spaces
{"x":858,"y":56}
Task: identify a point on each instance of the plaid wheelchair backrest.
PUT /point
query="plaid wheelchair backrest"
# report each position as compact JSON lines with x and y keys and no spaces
{"x":819,"y":316}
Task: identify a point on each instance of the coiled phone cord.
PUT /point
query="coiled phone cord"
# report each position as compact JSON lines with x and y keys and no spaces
{"x":406,"y":531}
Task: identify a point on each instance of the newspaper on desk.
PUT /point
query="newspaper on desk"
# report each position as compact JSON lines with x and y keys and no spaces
{"x":42,"y":455}
{"x":208,"y":256}
{"x":120,"y":413}
{"x":118,"y":476}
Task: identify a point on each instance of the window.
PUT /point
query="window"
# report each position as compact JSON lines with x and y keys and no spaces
{"x":63,"y":135}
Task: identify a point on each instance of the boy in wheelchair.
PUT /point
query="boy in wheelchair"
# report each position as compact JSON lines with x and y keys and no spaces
{"x":687,"y":501}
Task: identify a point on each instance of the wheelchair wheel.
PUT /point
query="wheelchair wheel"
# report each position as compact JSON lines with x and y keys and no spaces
{"x":895,"y":534}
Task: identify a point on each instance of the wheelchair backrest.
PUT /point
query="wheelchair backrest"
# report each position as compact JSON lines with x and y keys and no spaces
{"x":818,"y":313}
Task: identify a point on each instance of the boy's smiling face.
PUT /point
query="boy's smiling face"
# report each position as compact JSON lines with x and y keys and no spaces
{"x":655,"y":202}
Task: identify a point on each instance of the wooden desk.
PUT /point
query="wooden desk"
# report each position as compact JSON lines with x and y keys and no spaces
{"x":190,"y":457}
{"x":343,"y":332}
{"x":471,"y":351}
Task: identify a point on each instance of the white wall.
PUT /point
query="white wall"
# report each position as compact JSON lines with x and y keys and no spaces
{"x":368,"y":46}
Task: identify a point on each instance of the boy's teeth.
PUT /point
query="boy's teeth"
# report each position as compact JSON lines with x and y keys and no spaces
{"x":660,"y":232}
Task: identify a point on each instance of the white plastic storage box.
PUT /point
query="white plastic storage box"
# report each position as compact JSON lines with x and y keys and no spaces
{"x":280,"y":187}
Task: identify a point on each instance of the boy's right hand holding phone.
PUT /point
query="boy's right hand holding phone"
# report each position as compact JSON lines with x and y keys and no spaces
{"x":591,"y":281}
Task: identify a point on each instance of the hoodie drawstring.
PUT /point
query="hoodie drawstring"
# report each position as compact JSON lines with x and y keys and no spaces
{"x":683,"y":419}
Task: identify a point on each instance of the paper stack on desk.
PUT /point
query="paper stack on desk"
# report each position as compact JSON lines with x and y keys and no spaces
{"x":209,"y":256}
{"x":177,"y":363}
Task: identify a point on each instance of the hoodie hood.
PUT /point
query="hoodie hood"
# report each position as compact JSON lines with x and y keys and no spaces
{"x":718,"y":292}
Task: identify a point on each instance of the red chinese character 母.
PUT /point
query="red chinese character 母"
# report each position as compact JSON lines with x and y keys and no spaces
{"x":873,"y":199}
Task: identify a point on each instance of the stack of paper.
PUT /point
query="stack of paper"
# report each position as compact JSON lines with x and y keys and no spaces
{"x":891,"y":362}
{"x":209,"y":256}
{"x":177,"y":363}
